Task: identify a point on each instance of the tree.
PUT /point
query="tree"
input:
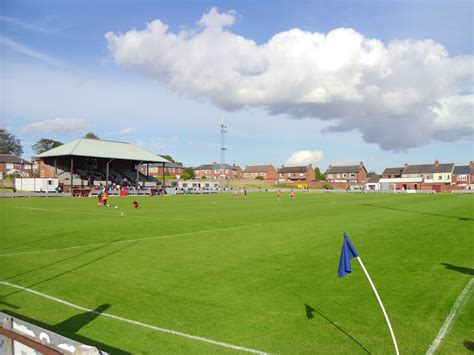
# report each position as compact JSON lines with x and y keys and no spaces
{"x":91,"y":135}
{"x":259,"y":178}
{"x":45,"y":144}
{"x":371,"y":173}
{"x":9,"y":144}
{"x":188,"y":174}
{"x":168,"y":157}
{"x":318,"y":174}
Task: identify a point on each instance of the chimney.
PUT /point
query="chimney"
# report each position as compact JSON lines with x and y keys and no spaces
{"x":361,"y":163}
{"x":406,"y":164}
{"x":436,"y":162}
{"x":471,"y":164}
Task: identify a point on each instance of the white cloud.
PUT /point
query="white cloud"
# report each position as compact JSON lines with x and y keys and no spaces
{"x":125,"y":131}
{"x":304,"y":157}
{"x":400,"y":95}
{"x":60,"y":126}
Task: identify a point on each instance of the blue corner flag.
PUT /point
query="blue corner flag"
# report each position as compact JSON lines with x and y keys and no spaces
{"x":347,"y":253}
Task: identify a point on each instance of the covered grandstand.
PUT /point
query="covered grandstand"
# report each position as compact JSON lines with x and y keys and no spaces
{"x":83,"y":162}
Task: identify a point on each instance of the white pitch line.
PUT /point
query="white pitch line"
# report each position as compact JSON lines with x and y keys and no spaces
{"x":99,"y":214}
{"x":447,"y":323}
{"x":66,"y":211}
{"x":140,"y":324}
{"x":166,"y":236}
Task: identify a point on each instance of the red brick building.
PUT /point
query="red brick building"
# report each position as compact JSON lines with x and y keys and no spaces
{"x":214,"y":171}
{"x":463,"y":175}
{"x":268,"y":172}
{"x":296,"y":174}
{"x":347,"y":174}
{"x":156,"y":170}
{"x":10,"y":164}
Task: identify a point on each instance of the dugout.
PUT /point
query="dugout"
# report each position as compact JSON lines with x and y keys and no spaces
{"x":84,"y":161}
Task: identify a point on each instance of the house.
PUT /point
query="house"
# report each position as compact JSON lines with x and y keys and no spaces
{"x":347,"y":174}
{"x":214,"y":171}
{"x":267,"y":172}
{"x":170,"y":169}
{"x":373,"y":184}
{"x":417,"y":177}
{"x":296,"y":174}
{"x":11,"y":164}
{"x":390,"y":173}
{"x":463,"y":175}
{"x":430,"y":173}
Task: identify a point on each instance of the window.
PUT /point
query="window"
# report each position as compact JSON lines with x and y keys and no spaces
{"x":9,"y":165}
{"x":353,"y":175}
{"x":440,"y":177}
{"x":449,"y":177}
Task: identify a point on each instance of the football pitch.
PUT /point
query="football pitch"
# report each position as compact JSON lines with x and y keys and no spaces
{"x":212,"y":273}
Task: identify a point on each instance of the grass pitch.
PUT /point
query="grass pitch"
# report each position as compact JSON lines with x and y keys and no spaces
{"x":252,"y":272}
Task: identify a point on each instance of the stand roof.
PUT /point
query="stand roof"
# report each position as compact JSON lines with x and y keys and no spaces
{"x":98,"y":148}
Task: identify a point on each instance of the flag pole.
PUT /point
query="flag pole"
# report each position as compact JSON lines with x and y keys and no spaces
{"x":381,"y":304}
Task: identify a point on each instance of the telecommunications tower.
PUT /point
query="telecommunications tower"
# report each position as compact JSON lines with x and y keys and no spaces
{"x":223,"y":148}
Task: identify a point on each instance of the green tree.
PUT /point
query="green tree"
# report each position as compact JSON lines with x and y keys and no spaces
{"x":371,"y":173}
{"x":188,"y":174}
{"x":318,"y":174}
{"x":91,"y":135}
{"x":45,"y":144}
{"x":9,"y":144}
{"x":259,"y":178}
{"x":168,"y":157}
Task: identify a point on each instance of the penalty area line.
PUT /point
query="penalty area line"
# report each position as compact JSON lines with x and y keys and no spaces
{"x":166,"y":236}
{"x":137,"y":323}
{"x":452,"y":313}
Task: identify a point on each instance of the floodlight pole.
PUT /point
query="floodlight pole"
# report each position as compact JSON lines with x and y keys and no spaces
{"x":381,"y":305}
{"x":223,"y":149}
{"x":107,"y":174}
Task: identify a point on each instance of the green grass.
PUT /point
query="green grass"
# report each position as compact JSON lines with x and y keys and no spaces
{"x":241,"y":271}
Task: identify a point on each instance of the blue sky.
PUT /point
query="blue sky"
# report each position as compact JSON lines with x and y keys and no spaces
{"x":61,"y":77}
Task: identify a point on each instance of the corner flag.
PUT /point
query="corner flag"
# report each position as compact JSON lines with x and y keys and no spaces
{"x":347,"y":253}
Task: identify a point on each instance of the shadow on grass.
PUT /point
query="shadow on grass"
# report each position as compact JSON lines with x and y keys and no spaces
{"x":61,"y":260}
{"x":310,"y":315}
{"x":69,"y":327}
{"x":69,"y":270}
{"x":9,"y":304}
{"x":461,"y":269}
{"x":469,"y":345}
{"x":32,"y":242}
{"x":419,"y":212}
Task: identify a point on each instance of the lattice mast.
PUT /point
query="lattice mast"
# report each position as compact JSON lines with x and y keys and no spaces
{"x":223,"y":148}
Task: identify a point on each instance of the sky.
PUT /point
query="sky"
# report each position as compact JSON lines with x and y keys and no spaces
{"x":296,"y":82}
